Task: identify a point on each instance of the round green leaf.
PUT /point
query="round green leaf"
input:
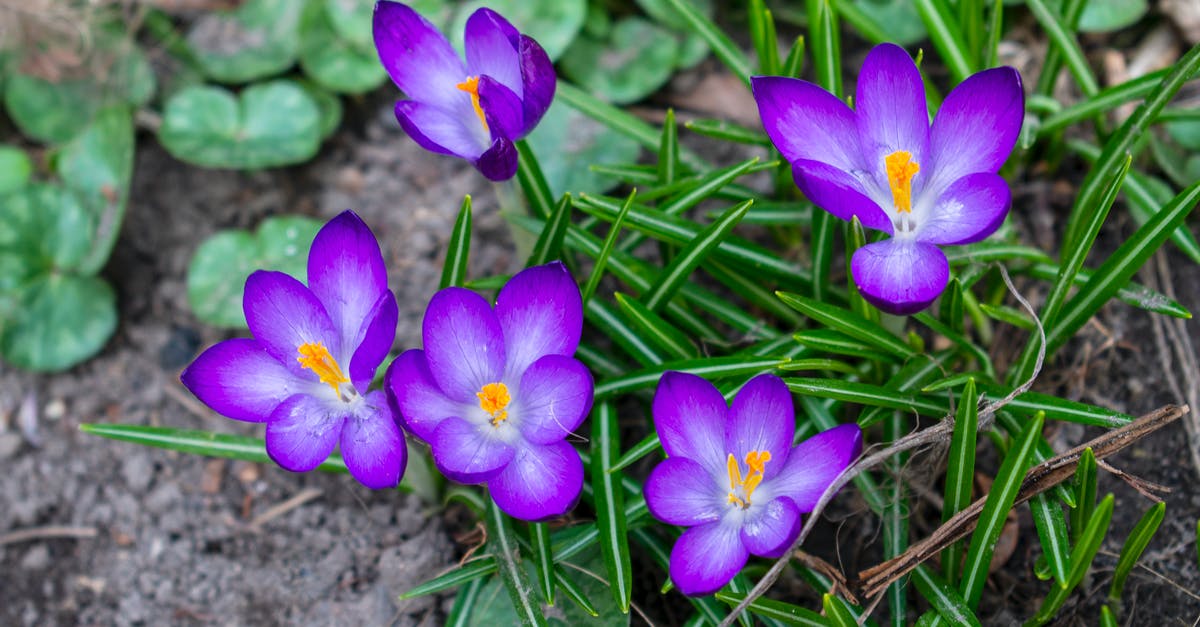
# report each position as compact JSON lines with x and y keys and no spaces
{"x":568,"y":142}
{"x":665,"y":14}
{"x":553,"y":23}
{"x":1102,"y":16}
{"x":15,"y":168}
{"x":329,"y":105}
{"x":46,"y":111}
{"x":58,"y":320}
{"x":351,"y":20}
{"x":337,"y":63}
{"x":1186,"y":132}
{"x":269,"y":124}
{"x":256,"y":40}
{"x":634,"y":63}
{"x":98,"y":165}
{"x":904,"y":25}
{"x":43,"y":229}
{"x":220,"y":266}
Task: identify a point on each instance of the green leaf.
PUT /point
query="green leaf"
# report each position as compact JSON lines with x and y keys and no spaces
{"x":606,"y":249}
{"x":653,"y":327}
{"x":352,"y":19}
{"x":828,"y":341}
{"x":1066,"y":45}
{"x":328,"y":103}
{"x":848,"y":323}
{"x":567,"y":142}
{"x":785,"y":613}
{"x":46,"y":111}
{"x":268,"y":124}
{"x":610,"y":504}
{"x":728,"y":131}
{"x":333,"y":61}
{"x":721,"y":44}
{"x":543,"y":558}
{"x":1134,"y":545}
{"x":960,"y":470}
{"x":945,"y":599}
{"x":826,"y":45}
{"x":1106,"y":617}
{"x":904,"y":25}
{"x":552,"y":23}
{"x":1085,"y":493}
{"x":15,"y":169}
{"x":668,"y":151}
{"x":454,"y":269}
{"x":220,"y":266}
{"x":464,"y":602}
{"x":256,"y":40}
{"x":637,"y":59}
{"x":1081,"y":560}
{"x":709,"y":368}
{"x":618,"y":120}
{"x":1052,"y":533}
{"x":837,"y":613}
{"x":947,"y":38}
{"x":43,"y":230}
{"x":865,"y":394}
{"x":1104,"y":16}
{"x":502,"y":545}
{"x":549,"y":244}
{"x":59,"y":320}
{"x":691,"y":255}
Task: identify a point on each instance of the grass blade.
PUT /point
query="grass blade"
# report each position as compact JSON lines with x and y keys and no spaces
{"x":502,"y":545}
{"x":711,"y":368}
{"x":668,"y":151}
{"x":619,"y":120}
{"x":476,"y":570}
{"x":1085,"y":493}
{"x":653,"y":327}
{"x":464,"y":602}
{"x":454,"y":270}
{"x":944,"y":598}
{"x":1134,"y":545}
{"x":1071,"y":11}
{"x":533,"y":182}
{"x":946,"y":37}
{"x":721,"y":44}
{"x":849,"y":323}
{"x":1081,"y":560}
{"x":1067,"y":46}
{"x":610,"y":505}
{"x":826,"y":46}
{"x":705,"y":242}
{"x":785,"y":613}
{"x":610,"y":240}
{"x":1052,"y":533}
{"x":573,"y":591}
{"x":549,"y":243}
{"x":727,"y":131}
{"x":543,"y":558}
{"x":601,"y":315}
{"x":960,"y":470}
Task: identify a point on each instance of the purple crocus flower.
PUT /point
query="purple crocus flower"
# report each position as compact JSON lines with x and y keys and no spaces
{"x":314,"y":353}
{"x":883,"y":163}
{"x":474,"y":111}
{"x":495,"y":392}
{"x":733,"y":477}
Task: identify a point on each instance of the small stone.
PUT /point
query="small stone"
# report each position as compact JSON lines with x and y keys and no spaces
{"x":55,"y":409}
{"x":137,"y":471}
{"x":10,"y":443}
{"x":38,"y":558}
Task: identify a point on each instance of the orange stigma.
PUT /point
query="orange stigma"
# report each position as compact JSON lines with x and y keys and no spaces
{"x":316,"y":357}
{"x":757,"y":462}
{"x":471,"y":86}
{"x":493,"y":399}
{"x":900,"y":171}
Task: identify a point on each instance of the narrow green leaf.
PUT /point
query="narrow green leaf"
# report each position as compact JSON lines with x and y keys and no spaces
{"x":549,"y":243}
{"x":602,"y":316}
{"x":785,"y":613}
{"x":464,"y":602}
{"x":995,"y":510}
{"x":721,"y":44}
{"x":618,"y":120}
{"x":752,"y":290}
{"x":533,"y":182}
{"x":823,"y":229}
{"x":1134,"y":545}
{"x":502,"y":545}
{"x":478,"y":569}
{"x":610,"y":240}
{"x":1107,"y":619}
{"x":837,"y":613}
{"x":865,"y":394}
{"x":960,"y":470}
{"x":649,"y":444}
{"x":674,"y":344}
{"x":728,"y":131}
{"x":821,"y":414}
{"x":762,"y":34}
{"x":1065,"y":43}
{"x":710,"y":184}
{"x":668,"y":150}
{"x":793,"y":66}
{"x":832,"y":365}
{"x":1133,"y":294}
{"x":946,"y":36}
{"x":849,"y":323}
{"x":543,"y":559}
{"x":829,"y":341}
{"x":1057,"y":408}
{"x":1052,"y":533}
{"x":707,"y":607}
{"x":960,"y":340}
{"x":826,"y":45}
{"x":856,"y":238}
{"x":995,"y":28}
{"x":895,"y":518}
{"x":705,"y":242}
{"x":1010,"y":315}
{"x":950,"y":308}
{"x":454,"y":270}
{"x":573,"y":591}
{"x":1085,"y":493}
{"x":1107,"y":100}
{"x":1081,"y":560}
{"x":945,"y":599}
{"x":1071,"y":10}
{"x":862,"y":21}
{"x":610,"y":504}
{"x":710,"y":368}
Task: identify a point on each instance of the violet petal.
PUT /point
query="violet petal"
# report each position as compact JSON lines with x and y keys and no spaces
{"x":555,"y":397}
{"x":541,"y":313}
{"x":498,"y":162}
{"x":978,"y":124}
{"x":441,"y":131}
{"x":807,"y":122}
{"x":283,"y":314}
{"x":491,"y":44}
{"x":972,"y":208}
{"x":377,"y":336}
{"x":707,"y":557}
{"x":464,"y":453}
{"x":346,"y":273}
{"x":421,"y":403}
{"x":839,"y":193}
{"x":542,"y":481}
{"x":502,"y":108}
{"x":890,"y":107}
{"x":690,"y":416}
{"x":372,"y":445}
{"x":815,"y":463}
{"x":900,"y":276}
{"x":302,"y":433}
{"x":463,"y":343}
{"x":681,"y":492}
{"x":537,"y":74}
{"x":770,"y":529}
{"x":762,"y":418}
{"x":239,"y":379}
{"x":417,"y":56}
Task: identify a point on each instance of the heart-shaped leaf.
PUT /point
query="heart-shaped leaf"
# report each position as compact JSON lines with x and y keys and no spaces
{"x":43,"y":230}
{"x":553,"y":23}
{"x":256,"y":40}
{"x":903,"y":22}
{"x":220,"y":266}
{"x":57,"y":321}
{"x":15,"y":168}
{"x":568,"y":142}
{"x":328,"y":104}
{"x":337,"y":63}
{"x":351,"y":20}
{"x":97,"y":165}
{"x":269,"y":124}
{"x":637,"y":60}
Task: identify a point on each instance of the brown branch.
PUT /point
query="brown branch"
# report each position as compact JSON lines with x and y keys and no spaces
{"x":1040,"y":478}
{"x":52,"y":532}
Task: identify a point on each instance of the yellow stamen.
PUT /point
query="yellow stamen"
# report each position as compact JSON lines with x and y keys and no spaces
{"x":316,"y":357}
{"x":493,"y":399}
{"x":757,"y":462}
{"x":900,"y":171}
{"x":471,"y":86}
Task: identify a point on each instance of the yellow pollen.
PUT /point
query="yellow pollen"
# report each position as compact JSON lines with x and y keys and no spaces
{"x":316,"y":357}
{"x":900,"y":171}
{"x":471,"y":86}
{"x":494,"y":398}
{"x":757,"y":462}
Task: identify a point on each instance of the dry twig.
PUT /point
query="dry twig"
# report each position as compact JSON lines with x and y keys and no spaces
{"x":50,"y":532}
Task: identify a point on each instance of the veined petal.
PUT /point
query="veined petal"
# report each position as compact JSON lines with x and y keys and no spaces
{"x":815,"y":463}
{"x":680,"y":491}
{"x":807,"y":122}
{"x":900,"y":276}
{"x":541,"y":313}
{"x":769,"y":530}
{"x":502,"y":108}
{"x":541,"y":482}
{"x":540,"y":82}
{"x":555,"y":396}
{"x":284,"y":315}
{"x":437,"y":130}
{"x":890,"y":106}
{"x":346,"y":273}
{"x":499,"y":162}
{"x":421,"y":403}
{"x":492,"y":47}
{"x":302,"y":433}
{"x":377,"y":334}
{"x":464,"y":346}
{"x":239,"y":379}
{"x":465,"y":454}
{"x":839,"y":193}
{"x":977,"y":126}
{"x":972,"y":208}
{"x":373,"y":446}
{"x":762,"y":418}
{"x":706,"y":557}
{"x":690,"y":416}
{"x":417,"y":56}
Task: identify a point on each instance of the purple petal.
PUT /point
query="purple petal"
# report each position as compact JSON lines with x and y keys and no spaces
{"x":971,"y":209}
{"x":690,"y":416}
{"x":839,"y":193}
{"x":815,"y":463}
{"x":555,"y":396}
{"x":537,"y":74}
{"x":240,"y":380}
{"x":499,"y":162}
{"x":681,"y":492}
{"x":463,"y":343}
{"x":492,"y":49}
{"x":437,"y":130}
{"x":706,"y":557}
{"x":373,"y":446}
{"x":346,"y":273}
{"x":541,"y":312}
{"x":762,"y":418}
{"x":900,"y":276}
{"x":378,"y":334}
{"x":769,"y":530}
{"x":540,"y":483}
{"x":502,"y":107}
{"x":977,"y":126}
{"x":807,"y":122}
{"x":890,"y":105}
{"x":302,"y":432}
{"x":284,"y":315}
{"x":466,"y":454}
{"x":421,"y":403}
{"x":417,"y":56}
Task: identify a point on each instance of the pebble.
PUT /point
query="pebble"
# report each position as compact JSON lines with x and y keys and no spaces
{"x":10,"y":443}
{"x":38,"y":558}
{"x":55,"y":409}
{"x":137,"y":471}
